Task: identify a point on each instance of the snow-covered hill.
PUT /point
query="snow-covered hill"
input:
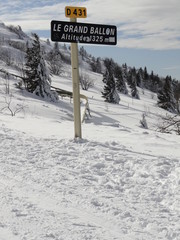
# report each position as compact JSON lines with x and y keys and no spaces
{"x":120,"y":181}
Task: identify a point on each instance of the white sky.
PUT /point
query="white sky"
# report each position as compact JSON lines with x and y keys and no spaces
{"x":142,"y":24}
{"x":150,"y":24}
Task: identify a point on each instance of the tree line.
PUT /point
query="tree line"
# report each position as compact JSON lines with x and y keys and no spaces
{"x":118,"y":78}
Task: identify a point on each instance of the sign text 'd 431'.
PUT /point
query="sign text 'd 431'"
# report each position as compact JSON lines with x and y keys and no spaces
{"x":75,"y":12}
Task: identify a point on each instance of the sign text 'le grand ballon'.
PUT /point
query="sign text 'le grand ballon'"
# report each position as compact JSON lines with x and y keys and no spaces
{"x":62,"y":31}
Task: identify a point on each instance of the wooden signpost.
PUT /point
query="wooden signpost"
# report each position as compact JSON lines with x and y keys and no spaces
{"x":75,"y":33}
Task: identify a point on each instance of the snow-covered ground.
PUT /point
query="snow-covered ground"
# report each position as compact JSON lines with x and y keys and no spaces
{"x":119,"y":181}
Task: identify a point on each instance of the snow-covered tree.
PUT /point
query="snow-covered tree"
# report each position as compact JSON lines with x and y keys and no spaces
{"x":110,"y":93}
{"x":139,"y":78}
{"x":165,"y":96}
{"x":109,"y":64}
{"x":145,"y":83}
{"x":143,"y":121}
{"x":17,"y":30}
{"x":82,"y":52}
{"x":54,"y":59}
{"x":120,"y":81}
{"x":37,"y":75}
{"x":96,"y":65}
{"x":132,"y":83}
{"x":176,"y":87}
{"x":134,"y":91}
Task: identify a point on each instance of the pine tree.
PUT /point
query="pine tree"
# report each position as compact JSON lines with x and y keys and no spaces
{"x":32,"y":61}
{"x":82,"y":52}
{"x":146,"y":78}
{"x":134,"y":91}
{"x":125,"y":74}
{"x":55,"y":60}
{"x":166,"y":96}
{"x":139,"y":78}
{"x":176,"y":87}
{"x":110,"y":93}
{"x":146,"y":75}
{"x":155,"y":80}
{"x":120,"y":82}
{"x":98,"y":65}
{"x":132,"y":83}
{"x":93,"y":64}
{"x":37,"y":75}
{"x":109,"y":64}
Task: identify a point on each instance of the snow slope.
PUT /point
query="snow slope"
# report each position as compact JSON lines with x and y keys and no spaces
{"x":119,"y":182}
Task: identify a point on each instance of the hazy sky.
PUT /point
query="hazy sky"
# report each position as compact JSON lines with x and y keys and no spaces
{"x":148,"y":30}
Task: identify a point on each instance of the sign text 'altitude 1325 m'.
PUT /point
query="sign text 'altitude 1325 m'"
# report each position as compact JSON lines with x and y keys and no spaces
{"x":62,"y":31}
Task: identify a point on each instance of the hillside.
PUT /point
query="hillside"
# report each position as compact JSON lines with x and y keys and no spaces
{"x":120,"y":181}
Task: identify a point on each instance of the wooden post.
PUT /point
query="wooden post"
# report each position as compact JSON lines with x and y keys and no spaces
{"x":76,"y":90}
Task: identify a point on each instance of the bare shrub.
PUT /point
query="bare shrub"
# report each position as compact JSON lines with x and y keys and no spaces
{"x":12,"y":108}
{"x":6,"y":56}
{"x":85,"y":82}
{"x":169,"y":124}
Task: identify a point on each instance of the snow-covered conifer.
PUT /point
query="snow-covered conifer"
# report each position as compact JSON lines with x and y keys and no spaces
{"x":37,"y":75}
{"x":110,"y":93}
{"x":165,"y":95}
{"x":132,"y":83}
{"x":120,"y":81}
{"x":54,"y":59}
{"x":143,"y":121}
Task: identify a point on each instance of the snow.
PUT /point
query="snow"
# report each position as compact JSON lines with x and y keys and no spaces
{"x":119,"y":181}
{"x":60,"y":188}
